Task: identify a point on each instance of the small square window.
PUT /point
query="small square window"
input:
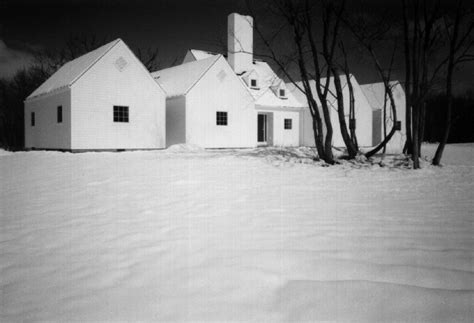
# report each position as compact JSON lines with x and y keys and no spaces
{"x":282,"y":93}
{"x":120,"y":113}
{"x":288,"y":124}
{"x":253,"y":83}
{"x":33,"y":119}
{"x":221,"y":118}
{"x":60,"y":114}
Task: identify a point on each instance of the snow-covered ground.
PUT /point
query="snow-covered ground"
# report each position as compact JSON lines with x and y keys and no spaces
{"x":249,"y":235}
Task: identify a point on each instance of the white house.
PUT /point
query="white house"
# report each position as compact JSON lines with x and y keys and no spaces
{"x":375,"y":94}
{"x":216,"y":102}
{"x":207,"y":105}
{"x":362,"y":108}
{"x":105,"y":99}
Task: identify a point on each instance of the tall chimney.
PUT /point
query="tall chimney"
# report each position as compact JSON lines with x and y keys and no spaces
{"x":240,"y":42}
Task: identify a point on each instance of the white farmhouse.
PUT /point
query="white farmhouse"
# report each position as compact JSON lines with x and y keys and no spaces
{"x":375,"y":94}
{"x":362,"y":108}
{"x":105,"y":99}
{"x":216,"y":102}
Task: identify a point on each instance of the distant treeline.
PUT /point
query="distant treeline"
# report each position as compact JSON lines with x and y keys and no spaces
{"x":462,"y":129}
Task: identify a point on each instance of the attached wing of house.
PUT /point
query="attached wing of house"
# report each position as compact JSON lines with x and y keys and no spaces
{"x":265,"y":86}
{"x":178,"y":80}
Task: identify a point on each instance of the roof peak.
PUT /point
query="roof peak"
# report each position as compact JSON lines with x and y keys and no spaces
{"x":71,"y":71}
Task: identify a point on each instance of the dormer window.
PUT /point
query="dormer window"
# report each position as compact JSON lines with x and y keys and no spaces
{"x":282,"y":93}
{"x":253,"y":83}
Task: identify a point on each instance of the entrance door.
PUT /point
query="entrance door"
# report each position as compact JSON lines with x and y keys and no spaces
{"x":262,"y":129}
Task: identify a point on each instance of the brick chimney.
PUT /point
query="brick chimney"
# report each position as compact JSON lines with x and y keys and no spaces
{"x":240,"y":42}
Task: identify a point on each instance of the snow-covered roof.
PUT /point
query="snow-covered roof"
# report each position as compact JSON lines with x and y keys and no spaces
{"x":178,"y":80}
{"x":72,"y":70}
{"x":265,"y":94}
{"x":202,"y":54}
{"x":375,"y":93}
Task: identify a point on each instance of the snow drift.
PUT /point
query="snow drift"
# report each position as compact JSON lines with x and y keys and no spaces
{"x":226,"y":235}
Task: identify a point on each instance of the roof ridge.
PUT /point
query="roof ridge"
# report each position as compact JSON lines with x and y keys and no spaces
{"x":180,"y":65}
{"x":48,"y":86}
{"x":189,"y":73}
{"x":118,"y":40}
{"x":203,"y":73}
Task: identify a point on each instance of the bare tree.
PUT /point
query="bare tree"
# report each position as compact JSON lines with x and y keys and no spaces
{"x":374,"y":35}
{"x":149,"y":58}
{"x":317,"y":60}
{"x":422,"y":42}
{"x":461,"y":44}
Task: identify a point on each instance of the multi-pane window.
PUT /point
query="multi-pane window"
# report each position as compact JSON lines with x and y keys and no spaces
{"x":282,"y":93}
{"x":60,"y":114}
{"x":288,"y":124}
{"x":32,"y":119}
{"x":221,"y":118}
{"x":120,"y":113}
{"x":253,"y":83}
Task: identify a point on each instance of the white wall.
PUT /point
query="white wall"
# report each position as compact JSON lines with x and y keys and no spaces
{"x":280,"y":135}
{"x":395,"y":145}
{"x":102,"y":87}
{"x":363,"y":115}
{"x":306,"y":128}
{"x":210,"y":95}
{"x":175,"y":121}
{"x":47,"y":132}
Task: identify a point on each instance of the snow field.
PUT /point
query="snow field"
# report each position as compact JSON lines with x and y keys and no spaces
{"x":249,"y":235}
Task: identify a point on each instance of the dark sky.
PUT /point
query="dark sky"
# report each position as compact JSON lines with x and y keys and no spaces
{"x":173,"y":26}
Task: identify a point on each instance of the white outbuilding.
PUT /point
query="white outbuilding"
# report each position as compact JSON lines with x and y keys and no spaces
{"x":362,"y":108}
{"x":105,"y":99}
{"x":235,"y":101}
{"x":379,"y":102}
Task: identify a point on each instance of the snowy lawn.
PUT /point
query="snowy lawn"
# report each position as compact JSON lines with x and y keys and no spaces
{"x":249,"y":235}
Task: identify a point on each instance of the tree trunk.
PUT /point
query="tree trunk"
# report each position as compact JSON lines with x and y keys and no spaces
{"x":449,"y":91}
{"x":421,"y":136}
{"x":415,"y":148}
{"x":351,"y":148}
{"x":389,"y":93}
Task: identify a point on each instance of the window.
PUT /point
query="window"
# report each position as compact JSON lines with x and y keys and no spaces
{"x":60,"y":114}
{"x":32,"y":119}
{"x":282,"y":93}
{"x":253,"y":83}
{"x":288,"y":124}
{"x":398,"y":125}
{"x":120,"y":114}
{"x":221,"y":118}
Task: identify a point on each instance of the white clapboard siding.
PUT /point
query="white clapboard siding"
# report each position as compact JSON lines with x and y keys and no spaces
{"x":106,"y":85}
{"x":219,"y":89}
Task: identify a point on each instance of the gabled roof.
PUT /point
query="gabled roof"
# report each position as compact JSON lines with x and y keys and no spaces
{"x":375,"y":93}
{"x":202,"y":54}
{"x":72,"y":71}
{"x":178,"y":80}
{"x":264,"y":95}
